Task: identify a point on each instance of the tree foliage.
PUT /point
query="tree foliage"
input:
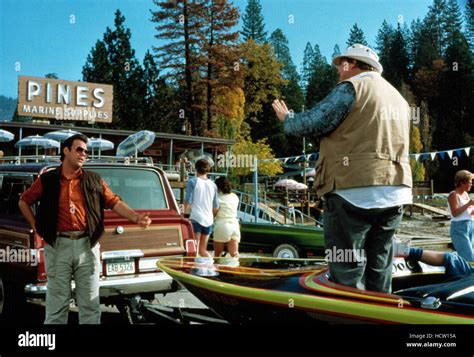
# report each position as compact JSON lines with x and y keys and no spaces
{"x":356,"y":35}
{"x":291,"y":91}
{"x":253,"y":24}
{"x":113,"y":61}
{"x":267,"y":165}
{"x":200,"y":55}
{"x":323,"y":78}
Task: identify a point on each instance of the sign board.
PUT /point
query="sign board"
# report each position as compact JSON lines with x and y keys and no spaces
{"x":152,"y":152}
{"x":65,"y":100}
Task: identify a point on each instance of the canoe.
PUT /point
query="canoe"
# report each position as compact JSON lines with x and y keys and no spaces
{"x":265,"y":290}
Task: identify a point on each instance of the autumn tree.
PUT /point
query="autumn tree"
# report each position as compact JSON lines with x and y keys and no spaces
{"x":230,"y":123}
{"x":219,"y":42}
{"x":417,"y":168}
{"x":262,"y":83}
{"x":267,"y":165}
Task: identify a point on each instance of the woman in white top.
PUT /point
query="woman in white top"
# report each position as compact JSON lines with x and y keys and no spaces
{"x":226,"y":224}
{"x":461,"y":208}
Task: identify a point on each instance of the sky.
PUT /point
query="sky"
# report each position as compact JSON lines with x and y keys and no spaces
{"x":55,"y":36}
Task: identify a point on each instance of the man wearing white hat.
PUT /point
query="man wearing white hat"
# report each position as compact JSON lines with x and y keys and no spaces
{"x":363,"y":172}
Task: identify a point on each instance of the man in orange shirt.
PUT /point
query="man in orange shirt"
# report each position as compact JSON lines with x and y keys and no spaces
{"x":70,"y":219}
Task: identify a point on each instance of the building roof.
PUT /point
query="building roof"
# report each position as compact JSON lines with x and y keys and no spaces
{"x":96,"y":131}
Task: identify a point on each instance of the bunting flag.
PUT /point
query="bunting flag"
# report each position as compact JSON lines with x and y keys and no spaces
{"x":417,"y":156}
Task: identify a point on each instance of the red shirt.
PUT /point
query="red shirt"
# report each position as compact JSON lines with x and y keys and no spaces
{"x":72,"y":208}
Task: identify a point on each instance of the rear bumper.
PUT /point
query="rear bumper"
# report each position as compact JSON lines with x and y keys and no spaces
{"x":114,"y":286}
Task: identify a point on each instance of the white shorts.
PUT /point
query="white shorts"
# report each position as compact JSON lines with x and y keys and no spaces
{"x":225,"y":230}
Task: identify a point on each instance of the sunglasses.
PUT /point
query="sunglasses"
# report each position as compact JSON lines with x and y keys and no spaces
{"x":81,"y":150}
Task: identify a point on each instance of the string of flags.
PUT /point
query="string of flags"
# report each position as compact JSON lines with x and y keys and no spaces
{"x":418,"y":156}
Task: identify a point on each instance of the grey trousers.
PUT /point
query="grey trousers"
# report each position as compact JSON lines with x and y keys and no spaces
{"x":369,"y":233}
{"x":72,"y":259}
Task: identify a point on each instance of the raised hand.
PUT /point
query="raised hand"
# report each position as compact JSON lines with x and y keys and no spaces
{"x":280,"y":109}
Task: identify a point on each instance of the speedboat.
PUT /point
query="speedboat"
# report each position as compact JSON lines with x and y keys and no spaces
{"x":267,"y":290}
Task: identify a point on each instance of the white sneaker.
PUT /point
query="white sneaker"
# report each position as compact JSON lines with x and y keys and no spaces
{"x":204,"y":260}
{"x":229,"y":261}
{"x":401,"y":249}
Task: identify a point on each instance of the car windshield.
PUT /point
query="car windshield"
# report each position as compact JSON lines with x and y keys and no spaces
{"x":139,"y":188}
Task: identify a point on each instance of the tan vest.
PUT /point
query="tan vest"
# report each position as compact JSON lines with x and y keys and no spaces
{"x":370,"y":147}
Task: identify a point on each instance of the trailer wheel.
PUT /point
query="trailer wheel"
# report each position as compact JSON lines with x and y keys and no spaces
{"x":286,"y":251}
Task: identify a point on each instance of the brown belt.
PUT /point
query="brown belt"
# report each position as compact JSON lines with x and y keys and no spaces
{"x":73,"y":235}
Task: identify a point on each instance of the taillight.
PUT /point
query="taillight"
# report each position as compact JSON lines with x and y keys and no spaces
{"x":191,"y":247}
{"x":41,"y":266}
{"x":39,"y":245}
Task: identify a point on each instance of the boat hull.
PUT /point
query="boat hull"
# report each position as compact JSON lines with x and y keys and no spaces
{"x":272,"y":291}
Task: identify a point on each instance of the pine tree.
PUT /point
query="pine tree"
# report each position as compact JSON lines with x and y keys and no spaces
{"x":454,"y":127}
{"x":396,"y":71}
{"x":279,"y":43}
{"x":180,"y":24}
{"x":306,"y":66}
{"x":456,"y":93}
{"x":356,"y":36}
{"x":253,"y":25}
{"x":291,"y":91}
{"x":322,"y":80}
{"x":201,"y":53}
{"x":113,"y":61}
{"x":435,"y":22}
{"x":97,"y":67}
{"x":336,"y":51}
{"x":51,"y":75}
{"x":470,"y":24}
{"x":158,"y":100}
{"x":383,"y":43}
{"x":422,"y":46}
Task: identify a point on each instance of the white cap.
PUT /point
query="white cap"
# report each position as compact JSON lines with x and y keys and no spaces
{"x":362,"y":53}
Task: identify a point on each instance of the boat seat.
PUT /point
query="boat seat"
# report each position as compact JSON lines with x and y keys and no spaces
{"x":459,"y":289}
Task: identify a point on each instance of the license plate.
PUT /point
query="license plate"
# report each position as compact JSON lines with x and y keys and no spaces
{"x":120,"y":266}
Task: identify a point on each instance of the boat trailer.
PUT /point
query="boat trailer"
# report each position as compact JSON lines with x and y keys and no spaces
{"x":141,"y":311}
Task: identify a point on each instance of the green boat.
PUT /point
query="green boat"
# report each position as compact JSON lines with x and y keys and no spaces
{"x":265,"y":290}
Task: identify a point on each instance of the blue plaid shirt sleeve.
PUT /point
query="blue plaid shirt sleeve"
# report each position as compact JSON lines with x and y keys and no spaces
{"x":326,"y":116}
